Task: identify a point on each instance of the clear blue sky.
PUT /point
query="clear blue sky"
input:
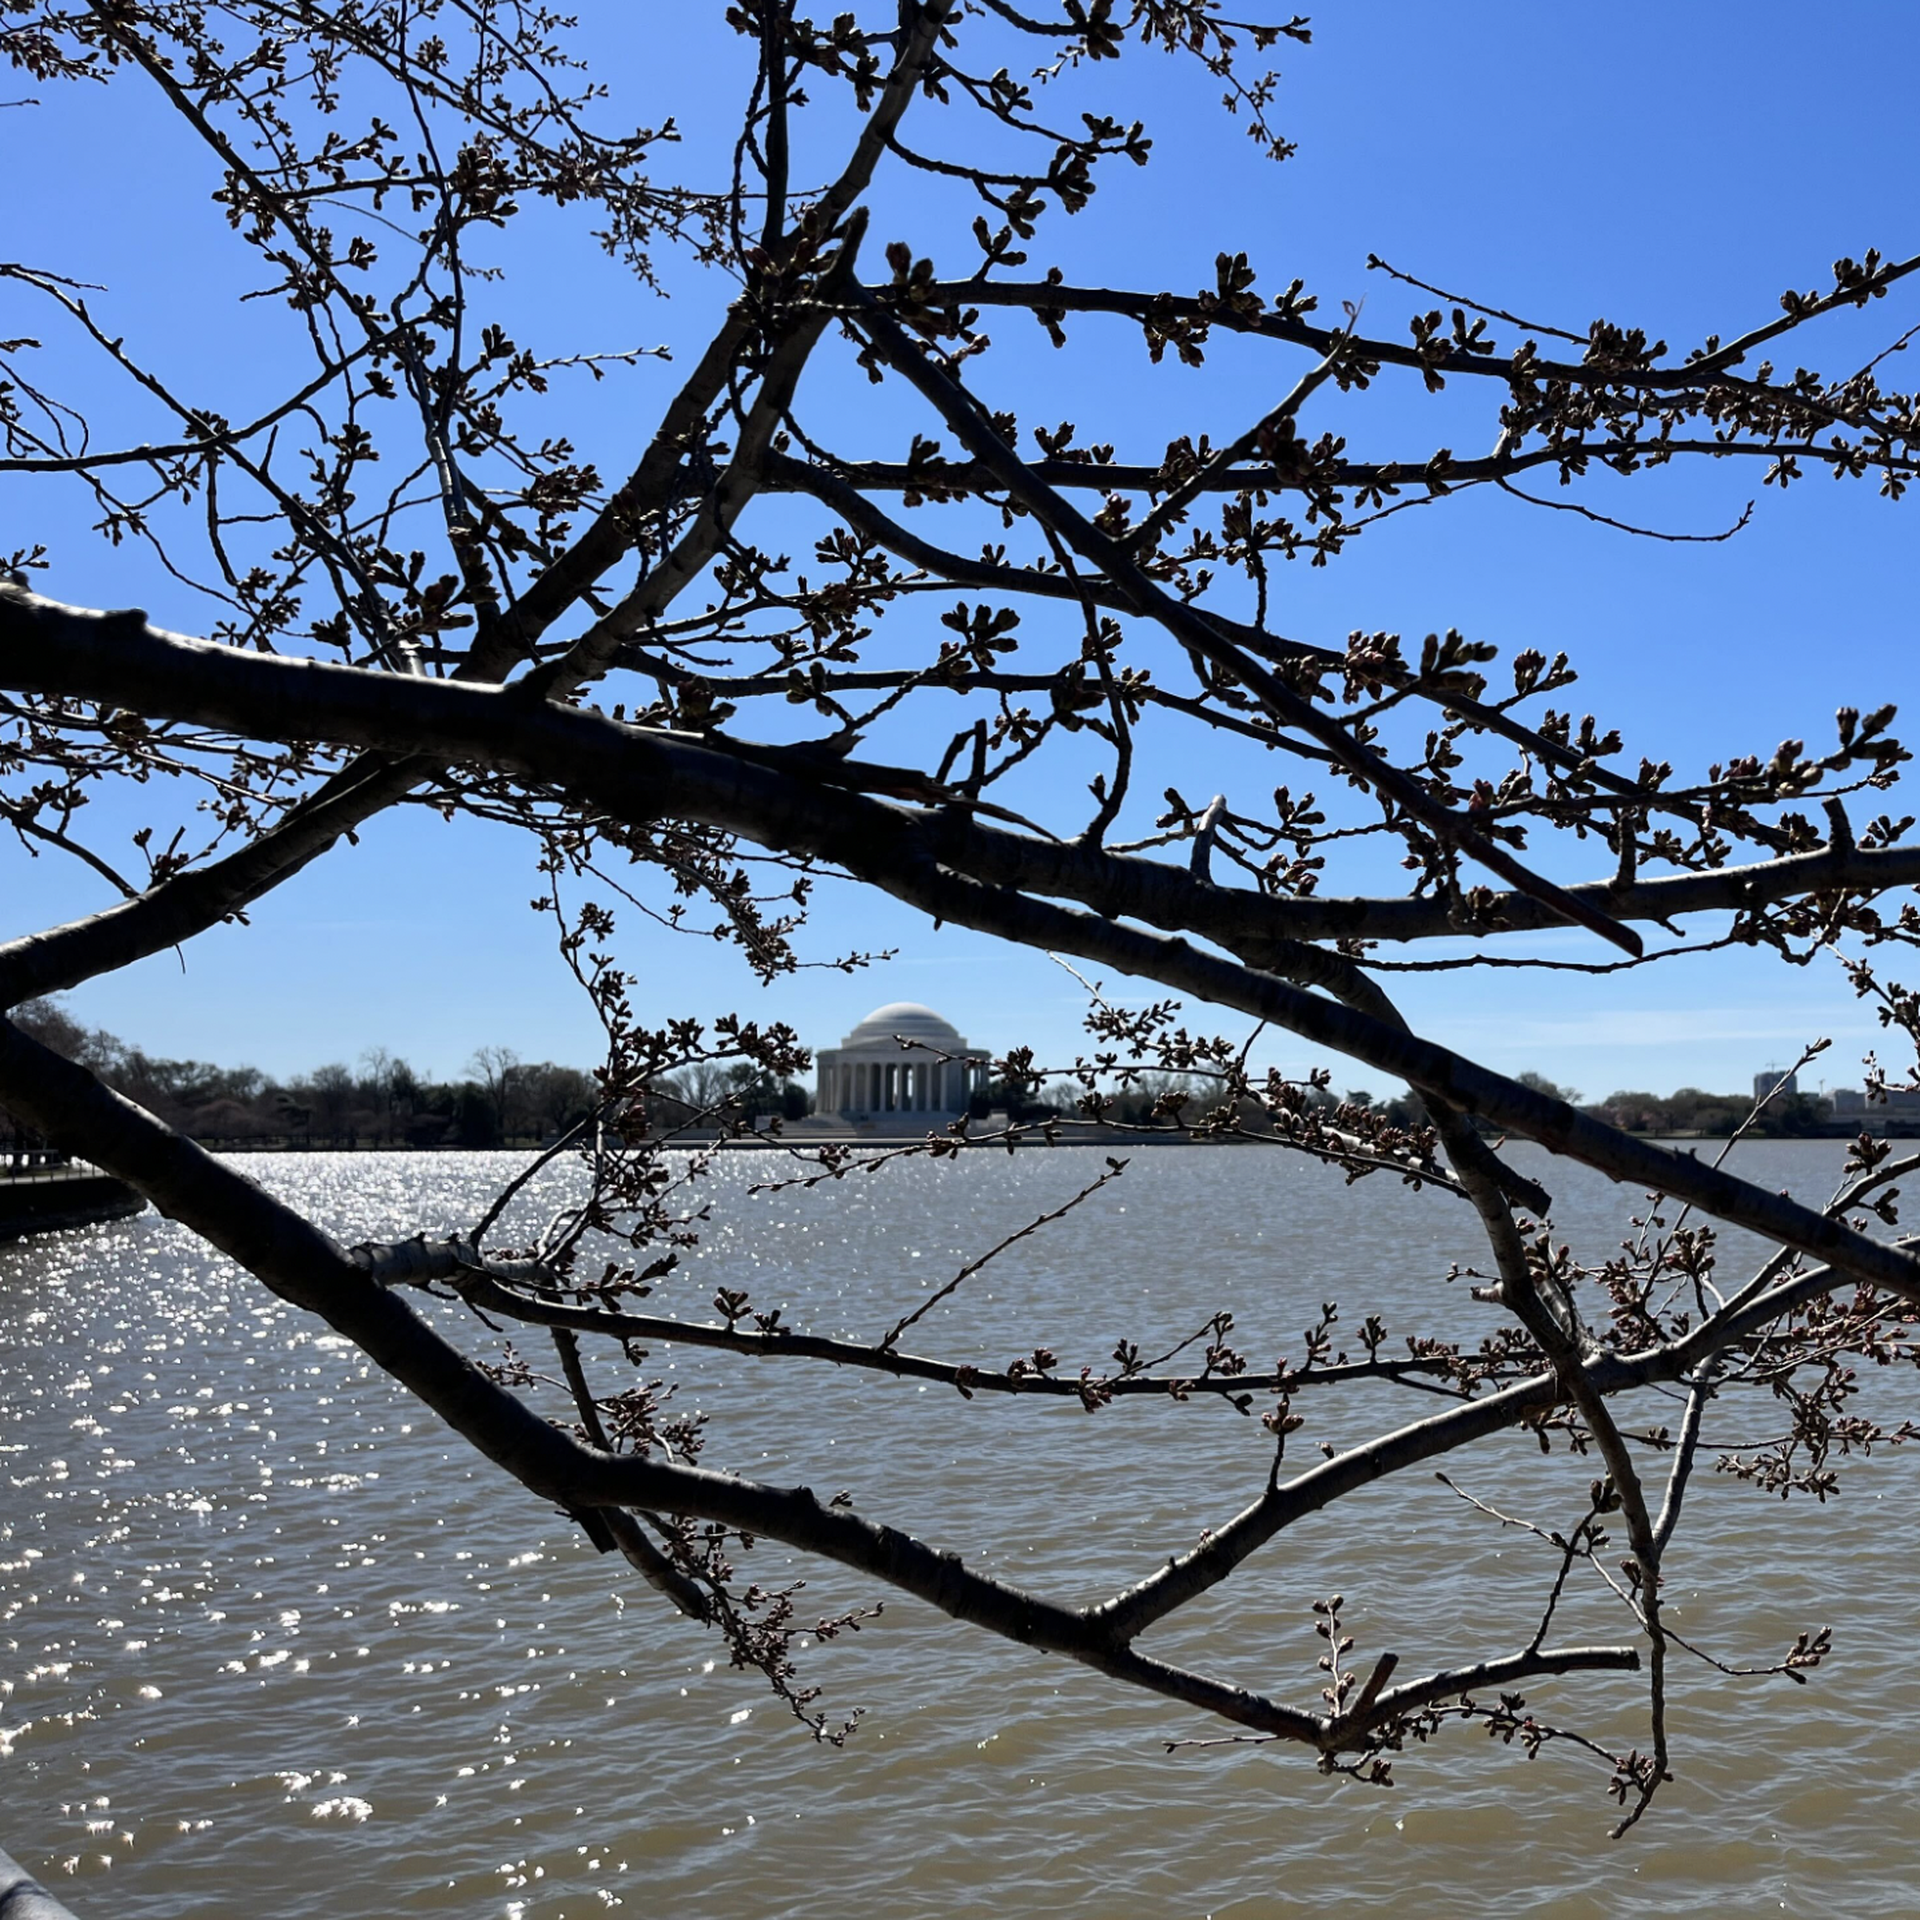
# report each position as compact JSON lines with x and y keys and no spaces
{"x":1674,"y":167}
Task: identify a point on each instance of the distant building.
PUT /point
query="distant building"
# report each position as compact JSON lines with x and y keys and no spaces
{"x":1901,"y":1103}
{"x":901,"y":1059}
{"x":1765,"y":1084}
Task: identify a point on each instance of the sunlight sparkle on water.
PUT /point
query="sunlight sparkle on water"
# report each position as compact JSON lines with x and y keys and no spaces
{"x":309,"y":1653}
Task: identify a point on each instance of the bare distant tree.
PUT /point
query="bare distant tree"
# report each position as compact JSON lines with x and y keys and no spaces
{"x":412,"y":589}
{"x":330,"y":1094}
{"x":555,"y":1098}
{"x":497,"y":1071}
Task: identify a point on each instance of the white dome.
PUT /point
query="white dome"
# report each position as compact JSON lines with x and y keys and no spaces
{"x":905,"y":1020}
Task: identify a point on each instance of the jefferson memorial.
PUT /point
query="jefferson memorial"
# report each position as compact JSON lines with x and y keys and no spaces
{"x":900,"y":1059}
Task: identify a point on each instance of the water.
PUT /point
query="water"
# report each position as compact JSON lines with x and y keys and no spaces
{"x":269,"y":1643}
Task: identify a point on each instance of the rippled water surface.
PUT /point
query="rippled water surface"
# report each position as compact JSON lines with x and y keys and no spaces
{"x":270,"y":1644}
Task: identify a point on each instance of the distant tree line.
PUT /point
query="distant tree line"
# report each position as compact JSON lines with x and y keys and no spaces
{"x":1690,"y":1110}
{"x":502,"y":1101}
{"x":1163,"y":1099}
{"x":382,"y":1102}
{"x":507,"y":1101}
{"x":721,"y":1093}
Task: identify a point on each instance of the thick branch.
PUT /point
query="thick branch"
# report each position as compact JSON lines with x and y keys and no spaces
{"x":636,"y":775}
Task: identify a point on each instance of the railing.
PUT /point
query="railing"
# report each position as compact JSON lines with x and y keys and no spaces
{"x":40,"y":1163}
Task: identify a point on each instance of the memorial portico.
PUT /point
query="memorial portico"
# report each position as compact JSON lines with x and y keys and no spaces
{"x":901,"y":1059}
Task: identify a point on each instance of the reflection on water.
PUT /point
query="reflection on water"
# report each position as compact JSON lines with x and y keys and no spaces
{"x":268,"y":1643}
